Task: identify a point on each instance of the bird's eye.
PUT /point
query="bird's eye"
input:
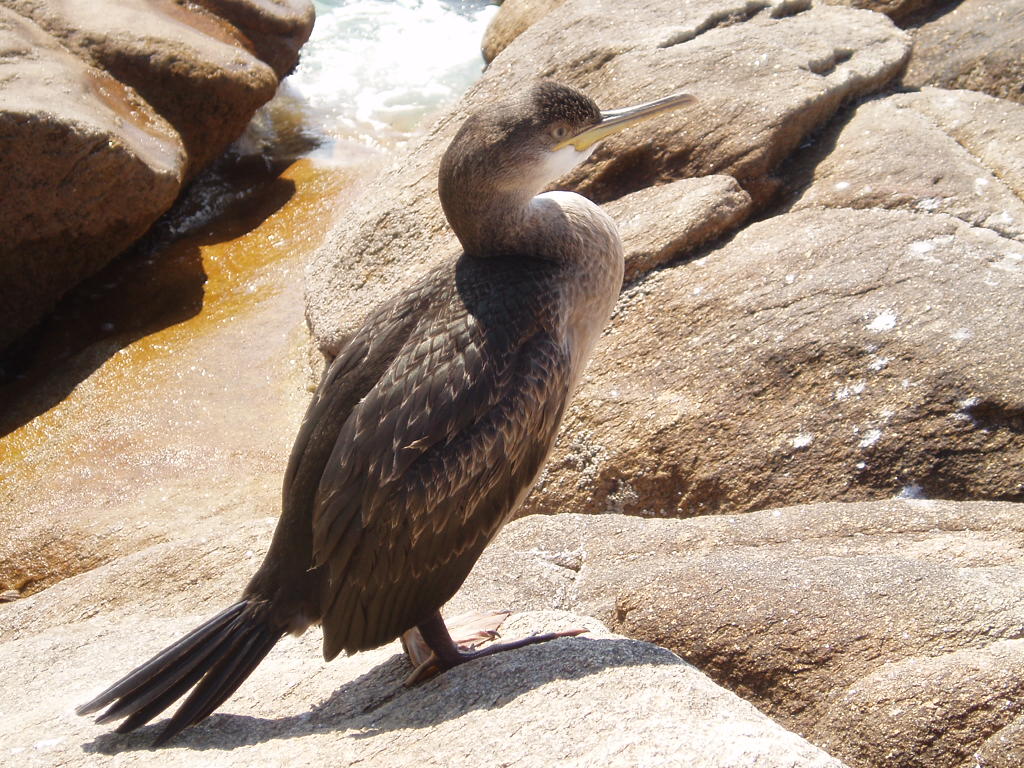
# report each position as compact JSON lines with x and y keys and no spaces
{"x":560,"y":132}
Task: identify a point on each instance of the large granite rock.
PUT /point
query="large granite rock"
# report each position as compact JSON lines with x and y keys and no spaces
{"x":190,"y":65}
{"x":887,"y":633}
{"x":515,"y":16}
{"x":908,"y":152}
{"x":767,"y":75}
{"x":108,"y":106}
{"x":978,"y":45}
{"x":595,"y":700}
{"x":511,"y":20}
{"x":819,"y":355}
{"x":276,"y":29}
{"x":74,"y":140}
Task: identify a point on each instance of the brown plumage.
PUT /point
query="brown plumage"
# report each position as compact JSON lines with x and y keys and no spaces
{"x":431,"y":424}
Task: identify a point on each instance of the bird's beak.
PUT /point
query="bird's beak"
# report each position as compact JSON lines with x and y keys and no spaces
{"x":614,"y":120}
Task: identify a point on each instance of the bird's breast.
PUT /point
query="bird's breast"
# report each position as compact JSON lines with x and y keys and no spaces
{"x":592,"y":253}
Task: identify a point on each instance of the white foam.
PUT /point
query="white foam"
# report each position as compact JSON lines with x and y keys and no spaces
{"x":376,"y":68}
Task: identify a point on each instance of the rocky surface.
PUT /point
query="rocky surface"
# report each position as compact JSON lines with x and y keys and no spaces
{"x":139,"y":95}
{"x":931,"y":151}
{"x":818,"y":355}
{"x":828,"y":312}
{"x":511,"y":20}
{"x":663,"y":223}
{"x":767,"y":74}
{"x":895,"y":9}
{"x":978,"y":44}
{"x":564,"y":702}
{"x":887,"y":633}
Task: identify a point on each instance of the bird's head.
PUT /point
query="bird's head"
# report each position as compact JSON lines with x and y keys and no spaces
{"x":505,"y":154}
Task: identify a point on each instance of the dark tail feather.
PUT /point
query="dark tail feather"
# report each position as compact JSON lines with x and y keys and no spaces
{"x":217,"y":655}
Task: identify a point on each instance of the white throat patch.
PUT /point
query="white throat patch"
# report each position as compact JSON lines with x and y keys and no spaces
{"x":559,"y":162}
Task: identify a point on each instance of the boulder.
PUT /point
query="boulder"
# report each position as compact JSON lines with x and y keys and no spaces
{"x":515,"y":16}
{"x":978,"y":45}
{"x":899,"y":153}
{"x":511,"y":20}
{"x":193,"y":67}
{"x":276,"y":29}
{"x":660,"y":224}
{"x":819,"y":355}
{"x":594,"y":700}
{"x":886,"y":632}
{"x":107,"y":108}
{"x":767,"y":75}
{"x":90,"y":164}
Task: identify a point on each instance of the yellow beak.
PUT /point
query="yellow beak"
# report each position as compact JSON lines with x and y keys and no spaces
{"x":615,"y":120}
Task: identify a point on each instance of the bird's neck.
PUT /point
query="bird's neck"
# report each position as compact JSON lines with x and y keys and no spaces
{"x":506,"y":223}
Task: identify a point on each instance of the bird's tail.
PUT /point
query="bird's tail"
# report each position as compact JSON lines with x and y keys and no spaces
{"x":214,"y":657}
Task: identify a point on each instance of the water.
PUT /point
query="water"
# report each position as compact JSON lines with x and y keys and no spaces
{"x":161,"y":397}
{"x":373,"y":69}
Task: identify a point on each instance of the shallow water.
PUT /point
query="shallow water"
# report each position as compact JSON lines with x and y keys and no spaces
{"x":166,"y":391}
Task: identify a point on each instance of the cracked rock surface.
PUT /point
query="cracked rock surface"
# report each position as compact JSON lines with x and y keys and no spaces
{"x":559,"y":703}
{"x":976,"y":45}
{"x":820,"y":354}
{"x":767,"y":74}
{"x":888,"y":633}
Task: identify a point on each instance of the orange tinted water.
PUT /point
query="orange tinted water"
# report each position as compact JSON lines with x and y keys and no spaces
{"x":168,"y":390}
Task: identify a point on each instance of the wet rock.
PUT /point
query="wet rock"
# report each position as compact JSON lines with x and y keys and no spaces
{"x":819,"y":355}
{"x":193,"y":67}
{"x":898,"y":153}
{"x":511,"y":20}
{"x":978,"y":45}
{"x":767,"y":74}
{"x":161,"y":415}
{"x":276,"y":29}
{"x":885,"y":632}
{"x":90,"y":164}
{"x":601,"y":699}
{"x":148,"y":93}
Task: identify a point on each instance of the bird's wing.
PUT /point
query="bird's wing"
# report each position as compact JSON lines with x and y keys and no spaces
{"x":285,"y":578}
{"x":427,"y":467}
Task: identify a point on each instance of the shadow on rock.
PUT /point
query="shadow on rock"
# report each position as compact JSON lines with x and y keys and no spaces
{"x":376,"y":702}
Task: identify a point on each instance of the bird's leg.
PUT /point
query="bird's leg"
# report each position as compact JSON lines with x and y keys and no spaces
{"x":445,"y":653}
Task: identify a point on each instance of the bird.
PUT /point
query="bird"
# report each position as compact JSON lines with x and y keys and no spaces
{"x":433,"y":421}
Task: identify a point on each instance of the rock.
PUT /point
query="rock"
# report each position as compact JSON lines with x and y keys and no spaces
{"x":147,"y":411}
{"x":158,"y":89}
{"x":979,"y":45}
{"x":989,"y":129}
{"x":600,"y":699}
{"x":90,"y":164}
{"x":511,"y":20}
{"x":191,"y":66}
{"x":276,"y":29}
{"x":912,"y":713}
{"x":819,"y":355}
{"x":660,"y":224}
{"x":895,"y":9}
{"x":885,"y":632}
{"x":767,"y":74}
{"x":894,"y":153}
